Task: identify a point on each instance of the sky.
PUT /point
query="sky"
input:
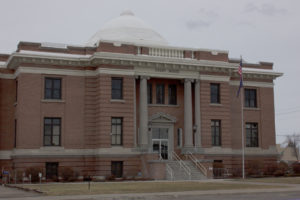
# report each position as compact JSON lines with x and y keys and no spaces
{"x":259,"y":30}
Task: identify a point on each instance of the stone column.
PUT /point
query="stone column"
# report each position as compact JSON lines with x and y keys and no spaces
{"x":188,"y":115}
{"x":197,"y":114}
{"x":143,"y":130}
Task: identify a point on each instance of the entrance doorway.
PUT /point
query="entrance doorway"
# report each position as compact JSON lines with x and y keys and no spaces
{"x":160,"y":141}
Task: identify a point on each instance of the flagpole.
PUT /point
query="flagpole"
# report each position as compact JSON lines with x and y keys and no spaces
{"x":243,"y":141}
{"x":242,"y":123}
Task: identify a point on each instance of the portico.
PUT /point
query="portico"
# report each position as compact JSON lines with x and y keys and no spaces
{"x":191,"y":126}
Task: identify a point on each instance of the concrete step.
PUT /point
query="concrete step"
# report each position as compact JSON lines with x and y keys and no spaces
{"x":180,"y":174}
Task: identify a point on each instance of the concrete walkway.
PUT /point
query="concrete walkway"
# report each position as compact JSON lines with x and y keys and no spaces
{"x":20,"y":195}
{"x":8,"y":193}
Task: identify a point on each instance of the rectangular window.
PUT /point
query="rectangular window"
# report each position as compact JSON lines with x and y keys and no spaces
{"x":15,"y":142}
{"x":116,"y":130}
{"x":172,"y":94}
{"x":52,"y":170}
{"x":117,"y":88}
{"x":214,"y":93}
{"x":160,"y":94}
{"x":216,"y":132}
{"x":250,"y":98}
{"x":251,"y":135}
{"x":52,"y":129}
{"x":117,"y":168}
{"x":149,"y":93}
{"x":52,"y":88}
{"x":16,"y":90}
{"x":179,"y":137}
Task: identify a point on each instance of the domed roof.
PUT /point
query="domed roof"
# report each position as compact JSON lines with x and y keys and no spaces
{"x":127,"y":28}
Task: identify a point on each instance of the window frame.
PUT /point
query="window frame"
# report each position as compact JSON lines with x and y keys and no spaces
{"x":216,"y":136}
{"x":15,"y":132}
{"x":114,"y":168}
{"x":162,"y":85}
{"x":49,"y":166}
{"x":250,"y":98}
{"x":52,"y":89}
{"x":149,"y":93}
{"x":120,"y":94}
{"x":172,"y":94}
{"x":51,"y":134}
{"x":250,"y":138}
{"x":215,"y":98}
{"x":116,"y":134}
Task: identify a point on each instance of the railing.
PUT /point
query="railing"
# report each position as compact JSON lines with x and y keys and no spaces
{"x":201,"y":167}
{"x":160,"y":157}
{"x":227,"y":173}
{"x":161,"y":52}
{"x":170,"y":171}
{"x":182,"y":164}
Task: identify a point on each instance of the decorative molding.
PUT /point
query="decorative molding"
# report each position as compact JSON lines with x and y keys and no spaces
{"x":271,"y":151}
{"x":5,"y":155}
{"x":252,"y":84}
{"x":7,"y":76}
{"x":159,"y":66}
{"x":60,"y":151}
{"x":115,"y":71}
{"x":35,"y":70}
{"x":162,"y":117}
{"x":214,"y":78}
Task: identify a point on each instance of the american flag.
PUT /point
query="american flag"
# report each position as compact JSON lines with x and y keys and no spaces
{"x":240,"y":72}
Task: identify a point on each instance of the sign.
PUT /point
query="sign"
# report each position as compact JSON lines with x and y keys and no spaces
{"x":40,"y":174}
{"x":5,"y":172}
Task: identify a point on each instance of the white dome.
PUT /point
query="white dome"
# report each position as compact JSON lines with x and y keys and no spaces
{"x":127,"y":28}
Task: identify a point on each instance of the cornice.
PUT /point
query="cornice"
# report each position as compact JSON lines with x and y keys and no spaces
{"x":140,"y":62}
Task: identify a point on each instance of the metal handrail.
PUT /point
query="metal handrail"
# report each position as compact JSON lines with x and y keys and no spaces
{"x":160,"y":157}
{"x":182,"y":164}
{"x":170,"y":171}
{"x":197,"y":163}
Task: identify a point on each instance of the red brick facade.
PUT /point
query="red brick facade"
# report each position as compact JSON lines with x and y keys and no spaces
{"x":86,"y":108}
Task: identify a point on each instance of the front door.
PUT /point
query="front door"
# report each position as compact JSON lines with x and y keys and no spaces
{"x":160,"y":141}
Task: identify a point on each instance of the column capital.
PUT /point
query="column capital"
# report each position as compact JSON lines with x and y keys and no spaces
{"x":188,"y":80}
{"x":197,"y":80}
{"x":145,"y":77}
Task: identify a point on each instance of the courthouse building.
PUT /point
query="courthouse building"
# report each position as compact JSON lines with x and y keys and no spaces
{"x":129,"y":104}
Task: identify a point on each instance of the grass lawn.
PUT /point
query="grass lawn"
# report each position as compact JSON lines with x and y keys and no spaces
{"x":139,"y":187}
{"x":287,"y":180}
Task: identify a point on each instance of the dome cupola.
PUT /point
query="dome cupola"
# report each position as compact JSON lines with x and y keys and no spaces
{"x":127,"y":28}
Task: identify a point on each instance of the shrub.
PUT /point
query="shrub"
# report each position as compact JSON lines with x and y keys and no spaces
{"x":19,"y":176}
{"x":283,"y":167}
{"x":237,"y":172}
{"x":270,"y":169}
{"x":255,"y":167}
{"x":34,"y":171}
{"x":296,"y":168}
{"x":111,"y":178}
{"x":279,"y":172}
{"x":68,"y":174}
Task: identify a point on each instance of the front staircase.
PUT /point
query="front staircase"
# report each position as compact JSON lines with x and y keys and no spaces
{"x":180,"y":174}
{"x":178,"y":169}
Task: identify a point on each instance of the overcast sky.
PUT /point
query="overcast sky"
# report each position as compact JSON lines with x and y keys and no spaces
{"x":261,"y":30}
